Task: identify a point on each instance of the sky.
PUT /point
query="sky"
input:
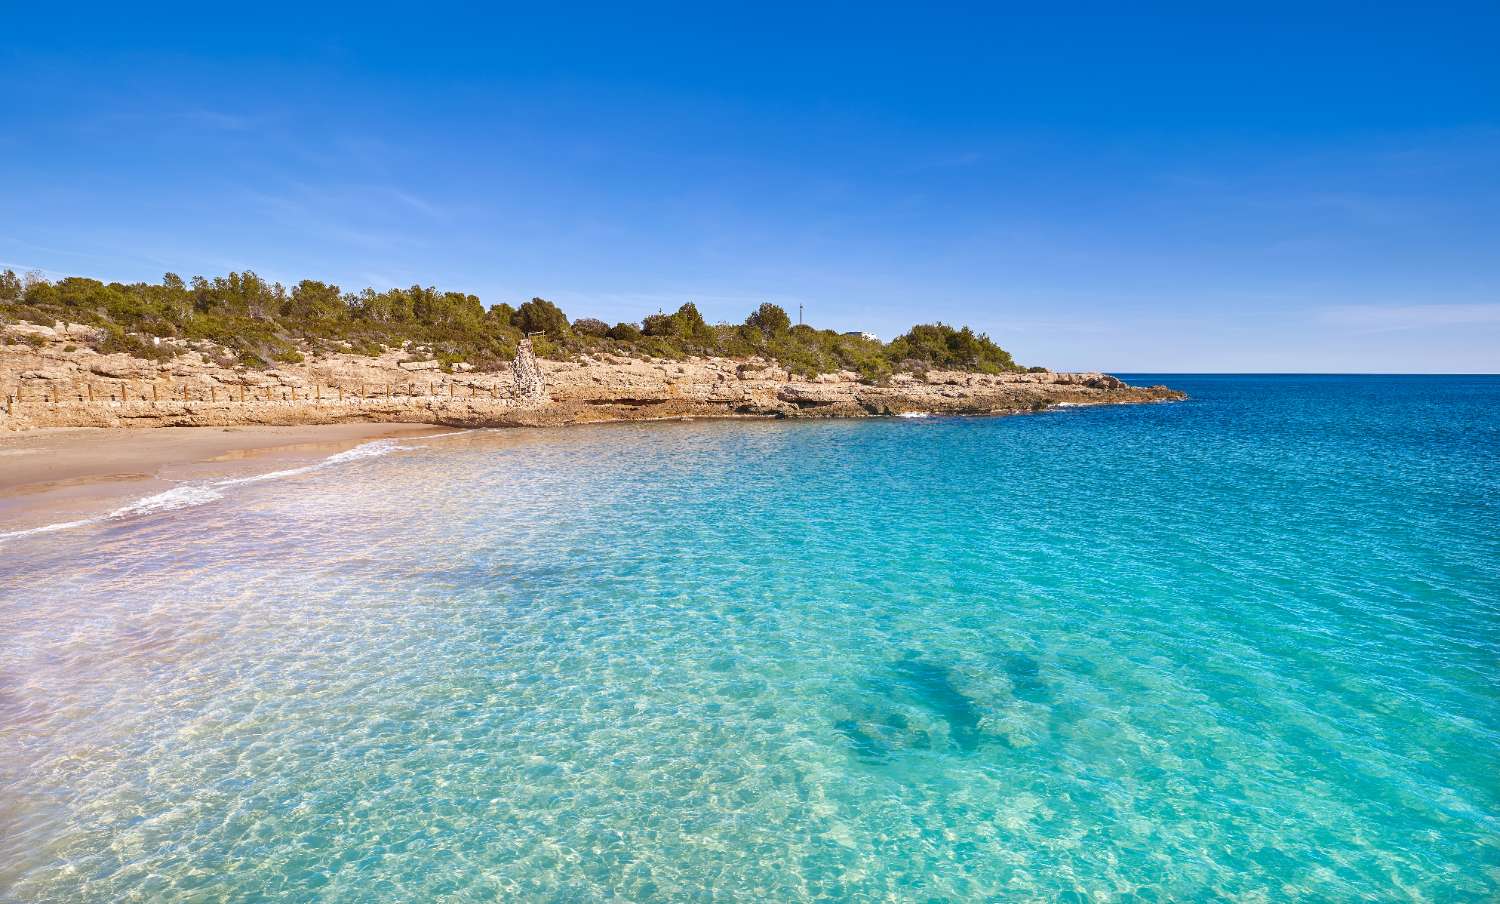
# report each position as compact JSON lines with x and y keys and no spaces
{"x":1126,"y":187}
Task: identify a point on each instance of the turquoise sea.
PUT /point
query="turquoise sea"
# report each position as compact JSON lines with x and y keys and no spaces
{"x":1243,"y":647}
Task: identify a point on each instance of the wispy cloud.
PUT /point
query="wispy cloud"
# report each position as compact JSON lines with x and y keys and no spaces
{"x":47,"y":249}
{"x":419,"y":204}
{"x":953,"y":160}
{"x":28,"y":268}
{"x":325,"y":219}
{"x":378,"y":280}
{"x":1358,"y":207}
{"x":198,"y":119}
{"x":218,"y":119}
{"x":1388,"y":318}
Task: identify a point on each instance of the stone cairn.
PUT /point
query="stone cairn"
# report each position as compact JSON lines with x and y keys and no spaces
{"x":528,"y":374}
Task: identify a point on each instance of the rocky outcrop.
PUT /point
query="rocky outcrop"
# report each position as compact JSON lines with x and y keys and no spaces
{"x":526,"y":374}
{"x":48,"y":381}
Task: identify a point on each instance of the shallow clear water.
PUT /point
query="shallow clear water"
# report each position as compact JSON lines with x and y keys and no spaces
{"x":1242,"y":646}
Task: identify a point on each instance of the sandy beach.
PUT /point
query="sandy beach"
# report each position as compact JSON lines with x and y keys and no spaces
{"x":48,"y":476}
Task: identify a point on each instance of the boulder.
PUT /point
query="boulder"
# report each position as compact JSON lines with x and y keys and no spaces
{"x":122,"y":367}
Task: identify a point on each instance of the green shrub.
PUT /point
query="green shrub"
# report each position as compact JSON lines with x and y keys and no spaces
{"x":589,"y":326}
{"x":689,"y":325}
{"x":942,"y":346}
{"x":769,"y":319}
{"x":117,"y":341}
{"x":255,"y":321}
{"x":656,"y":325}
{"x":541,"y":316}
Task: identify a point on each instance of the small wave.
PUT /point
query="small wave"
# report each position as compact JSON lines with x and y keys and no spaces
{"x":914,"y":414}
{"x":48,"y":528}
{"x":194,"y":494}
{"x":368,"y":450}
{"x":185,"y":496}
{"x":441,"y":435}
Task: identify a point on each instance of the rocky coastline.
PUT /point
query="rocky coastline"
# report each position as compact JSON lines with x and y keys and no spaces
{"x":51,"y":377}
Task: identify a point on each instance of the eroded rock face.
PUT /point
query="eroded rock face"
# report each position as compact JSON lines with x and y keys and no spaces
{"x":51,"y":382}
{"x":526,"y":375}
{"x":122,"y":367}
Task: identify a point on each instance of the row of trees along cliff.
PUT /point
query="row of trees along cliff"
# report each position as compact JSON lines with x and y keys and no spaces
{"x":258,"y":323}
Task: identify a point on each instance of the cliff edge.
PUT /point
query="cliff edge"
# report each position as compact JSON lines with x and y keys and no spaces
{"x":50,"y":377}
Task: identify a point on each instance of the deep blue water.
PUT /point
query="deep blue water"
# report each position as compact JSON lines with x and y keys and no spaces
{"x":1241,"y":647}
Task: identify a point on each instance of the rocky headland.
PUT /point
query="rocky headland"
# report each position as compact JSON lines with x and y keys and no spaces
{"x":51,"y":377}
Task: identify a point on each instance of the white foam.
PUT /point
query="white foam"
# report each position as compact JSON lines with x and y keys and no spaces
{"x":194,"y":494}
{"x":441,"y":435}
{"x":185,"y":496}
{"x":48,"y":528}
{"x":914,"y":414}
{"x":368,"y":450}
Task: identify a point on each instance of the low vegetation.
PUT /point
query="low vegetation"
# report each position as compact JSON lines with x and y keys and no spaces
{"x":259,"y":323}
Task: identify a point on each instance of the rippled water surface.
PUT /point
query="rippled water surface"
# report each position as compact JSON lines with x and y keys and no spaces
{"x":1244,"y":646}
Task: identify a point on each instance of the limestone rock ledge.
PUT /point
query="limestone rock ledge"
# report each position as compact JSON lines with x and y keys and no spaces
{"x":46,"y":381}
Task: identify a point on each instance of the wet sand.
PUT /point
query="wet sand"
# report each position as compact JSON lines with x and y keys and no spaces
{"x":48,"y":476}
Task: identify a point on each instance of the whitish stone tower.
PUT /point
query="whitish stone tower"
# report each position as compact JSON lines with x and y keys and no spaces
{"x":527,"y":373}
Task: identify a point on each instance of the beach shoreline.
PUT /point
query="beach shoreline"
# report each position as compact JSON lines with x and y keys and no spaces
{"x":83,"y":433}
{"x":55,"y":475}
{"x":59,"y":475}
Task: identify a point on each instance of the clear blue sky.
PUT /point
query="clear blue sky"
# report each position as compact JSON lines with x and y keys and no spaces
{"x":1182,"y":189}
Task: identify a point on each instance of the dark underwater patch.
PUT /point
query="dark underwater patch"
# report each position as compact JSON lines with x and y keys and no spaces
{"x":877,"y":725}
{"x":932,"y":687}
{"x":865,"y":746}
{"x":1025,"y":675}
